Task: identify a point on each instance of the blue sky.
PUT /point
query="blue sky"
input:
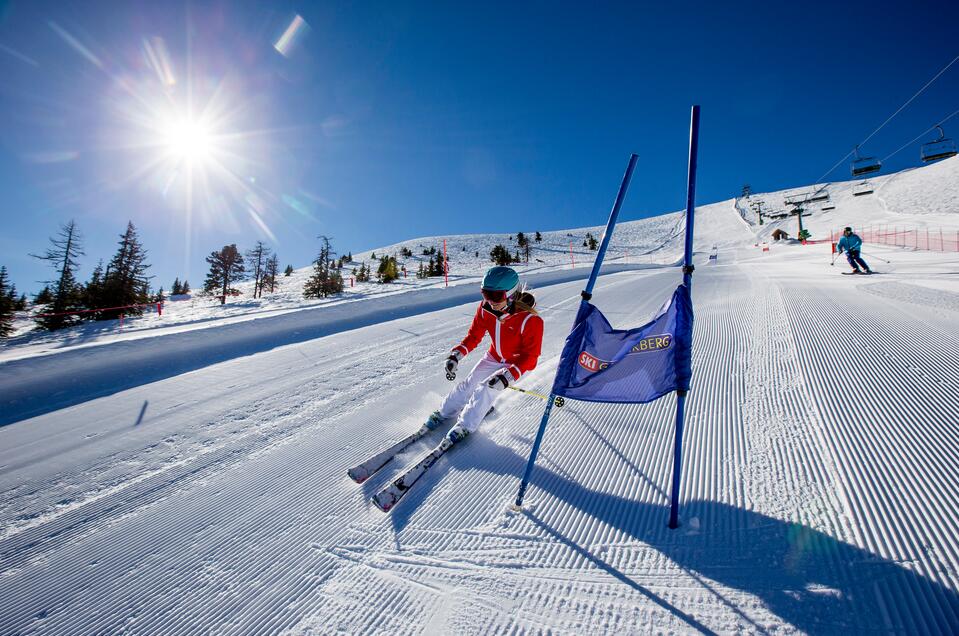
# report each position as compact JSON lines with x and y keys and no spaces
{"x":387,"y":121}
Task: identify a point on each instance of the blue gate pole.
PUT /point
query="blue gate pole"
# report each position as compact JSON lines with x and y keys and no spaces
{"x":586,"y":294}
{"x":688,"y":281}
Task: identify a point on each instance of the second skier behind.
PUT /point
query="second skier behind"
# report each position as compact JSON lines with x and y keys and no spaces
{"x":852,"y":244}
{"x":507,"y":314}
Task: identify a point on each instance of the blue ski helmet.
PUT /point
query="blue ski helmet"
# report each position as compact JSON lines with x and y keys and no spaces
{"x":501,"y":278}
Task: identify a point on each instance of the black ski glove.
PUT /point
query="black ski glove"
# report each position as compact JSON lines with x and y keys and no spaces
{"x":499,"y":381}
{"x":452,"y":363}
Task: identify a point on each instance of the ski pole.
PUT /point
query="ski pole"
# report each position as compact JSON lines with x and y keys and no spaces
{"x":560,"y":401}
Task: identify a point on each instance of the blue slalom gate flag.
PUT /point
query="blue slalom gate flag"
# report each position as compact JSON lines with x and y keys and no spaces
{"x":602,"y":364}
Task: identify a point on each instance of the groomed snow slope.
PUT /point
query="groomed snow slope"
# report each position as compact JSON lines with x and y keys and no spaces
{"x":820,"y":479}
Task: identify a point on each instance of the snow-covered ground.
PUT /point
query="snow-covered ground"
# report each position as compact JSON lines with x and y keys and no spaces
{"x":188,"y":480}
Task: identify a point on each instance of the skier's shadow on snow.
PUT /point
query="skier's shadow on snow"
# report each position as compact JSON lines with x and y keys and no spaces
{"x":806,"y":577}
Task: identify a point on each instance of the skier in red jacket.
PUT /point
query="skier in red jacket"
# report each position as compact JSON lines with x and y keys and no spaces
{"x":507,"y":314}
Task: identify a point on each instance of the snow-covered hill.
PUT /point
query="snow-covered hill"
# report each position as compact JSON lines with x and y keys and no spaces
{"x":924,"y":197}
{"x":178,"y":480}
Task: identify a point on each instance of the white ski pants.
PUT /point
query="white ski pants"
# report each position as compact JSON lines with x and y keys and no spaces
{"x":472,"y":398}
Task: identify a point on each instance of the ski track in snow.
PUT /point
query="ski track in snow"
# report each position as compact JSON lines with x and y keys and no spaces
{"x":815,"y":499}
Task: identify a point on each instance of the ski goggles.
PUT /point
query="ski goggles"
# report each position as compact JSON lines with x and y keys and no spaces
{"x":494,"y":295}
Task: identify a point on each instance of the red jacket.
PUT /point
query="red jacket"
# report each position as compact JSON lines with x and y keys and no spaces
{"x":517,"y":338}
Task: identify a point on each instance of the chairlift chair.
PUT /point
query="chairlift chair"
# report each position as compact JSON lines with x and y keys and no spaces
{"x":864,"y":165}
{"x":819,"y":195}
{"x":941,"y":148}
{"x":862,"y":189}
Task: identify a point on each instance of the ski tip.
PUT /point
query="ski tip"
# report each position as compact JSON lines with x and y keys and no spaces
{"x":357,"y":475}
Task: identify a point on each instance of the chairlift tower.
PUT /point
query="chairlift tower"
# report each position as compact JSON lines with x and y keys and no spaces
{"x":798,"y":210}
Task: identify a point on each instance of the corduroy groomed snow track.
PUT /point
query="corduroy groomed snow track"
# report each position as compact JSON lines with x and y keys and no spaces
{"x":820,"y":487}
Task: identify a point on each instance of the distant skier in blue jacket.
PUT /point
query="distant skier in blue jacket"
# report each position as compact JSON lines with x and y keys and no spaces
{"x":852,"y":244}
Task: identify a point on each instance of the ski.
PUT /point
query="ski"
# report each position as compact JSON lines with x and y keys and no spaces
{"x":363,"y":471}
{"x":392,"y":493}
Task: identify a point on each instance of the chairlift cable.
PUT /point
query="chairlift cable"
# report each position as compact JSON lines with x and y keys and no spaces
{"x":909,"y":101}
{"x":923,"y":134}
{"x":899,"y":110}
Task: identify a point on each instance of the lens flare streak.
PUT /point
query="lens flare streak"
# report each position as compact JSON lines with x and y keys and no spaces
{"x":292,"y":36}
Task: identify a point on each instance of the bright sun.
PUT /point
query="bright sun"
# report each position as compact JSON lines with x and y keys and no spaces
{"x":188,"y":140}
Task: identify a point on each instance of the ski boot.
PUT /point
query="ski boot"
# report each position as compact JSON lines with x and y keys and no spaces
{"x":432,"y":422}
{"x":456,"y":434}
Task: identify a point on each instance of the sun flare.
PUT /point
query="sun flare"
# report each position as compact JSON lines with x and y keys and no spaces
{"x":188,"y":140}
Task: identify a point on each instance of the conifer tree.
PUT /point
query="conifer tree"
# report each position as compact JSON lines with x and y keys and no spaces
{"x":523,"y":241}
{"x":44,"y":296}
{"x":186,"y":287}
{"x":500,"y":255}
{"x":177,"y":288}
{"x":288,"y":270}
{"x":388,"y":270}
{"x":325,"y":280}
{"x":93,"y":292}
{"x":65,"y":249}
{"x":226,"y":267}
{"x":18,"y":304}
{"x":126,"y":282}
{"x":363,"y":275}
{"x":539,"y":237}
{"x":6,"y":304}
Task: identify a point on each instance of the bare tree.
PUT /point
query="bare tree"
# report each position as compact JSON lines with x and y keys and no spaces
{"x":270,"y":271}
{"x":66,"y":248}
{"x":257,"y":258}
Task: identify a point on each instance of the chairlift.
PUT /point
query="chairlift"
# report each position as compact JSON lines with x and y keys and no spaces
{"x":862,"y":189}
{"x":941,"y":148}
{"x":864,"y":165}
